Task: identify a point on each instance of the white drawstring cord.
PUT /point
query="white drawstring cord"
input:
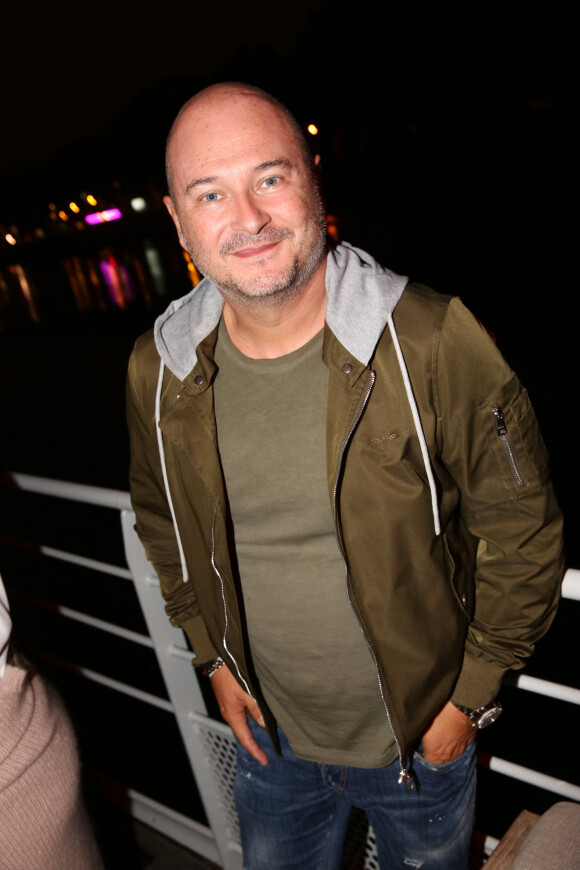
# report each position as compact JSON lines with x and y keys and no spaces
{"x":418,"y":426}
{"x":184,"y":571}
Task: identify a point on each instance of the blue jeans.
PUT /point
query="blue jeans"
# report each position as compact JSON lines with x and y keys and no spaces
{"x":294,"y":813}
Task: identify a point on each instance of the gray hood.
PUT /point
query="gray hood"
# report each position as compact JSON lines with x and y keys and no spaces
{"x":361,"y":295}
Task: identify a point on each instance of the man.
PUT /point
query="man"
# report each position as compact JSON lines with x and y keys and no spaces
{"x":343,"y":490}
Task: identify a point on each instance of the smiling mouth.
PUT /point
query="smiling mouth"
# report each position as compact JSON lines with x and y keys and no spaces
{"x":255,"y":251}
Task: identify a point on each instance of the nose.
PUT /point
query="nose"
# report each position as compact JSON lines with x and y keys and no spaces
{"x":250,"y":215}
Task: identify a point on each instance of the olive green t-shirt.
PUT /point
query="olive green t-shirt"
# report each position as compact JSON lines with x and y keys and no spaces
{"x":314,"y":666}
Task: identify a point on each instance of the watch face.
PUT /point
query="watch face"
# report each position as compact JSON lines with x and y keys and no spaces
{"x":488,"y":717}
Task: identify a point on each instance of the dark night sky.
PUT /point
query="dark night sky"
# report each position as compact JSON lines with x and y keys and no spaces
{"x":95,"y":90}
{"x":69,"y":70}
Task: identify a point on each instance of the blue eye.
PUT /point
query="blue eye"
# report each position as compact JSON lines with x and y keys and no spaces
{"x":211,"y":197}
{"x":271,"y":182}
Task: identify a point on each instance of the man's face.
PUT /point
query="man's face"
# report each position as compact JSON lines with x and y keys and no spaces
{"x":245,"y":205}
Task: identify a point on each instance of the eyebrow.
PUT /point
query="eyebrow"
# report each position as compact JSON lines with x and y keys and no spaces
{"x":268,"y":164}
{"x":198,"y":182}
{"x":273,"y":164}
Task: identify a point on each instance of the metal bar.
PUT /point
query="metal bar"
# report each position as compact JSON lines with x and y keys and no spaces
{"x":147,"y":697}
{"x":181,"y":653}
{"x":109,"y":627}
{"x":544,"y":687}
{"x":117,"y":685}
{"x":84,"y":562}
{"x":571,"y":584}
{"x":65,"y":556}
{"x":96,"y":495}
{"x":533,"y":777}
{"x":101,"y":624}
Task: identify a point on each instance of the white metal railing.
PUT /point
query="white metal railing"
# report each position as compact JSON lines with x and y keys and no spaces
{"x":95,"y":495}
{"x":219,"y":842}
{"x":544,"y":687}
{"x":571,"y":584}
{"x":213,"y":770}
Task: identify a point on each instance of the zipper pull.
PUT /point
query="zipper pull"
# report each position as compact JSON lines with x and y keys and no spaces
{"x":500,"y":426}
{"x":405,"y":777}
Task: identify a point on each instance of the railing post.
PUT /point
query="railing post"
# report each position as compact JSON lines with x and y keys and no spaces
{"x":210,"y":745}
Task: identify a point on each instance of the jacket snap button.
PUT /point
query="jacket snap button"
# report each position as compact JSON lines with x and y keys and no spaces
{"x":198,"y":379}
{"x":347,"y":368}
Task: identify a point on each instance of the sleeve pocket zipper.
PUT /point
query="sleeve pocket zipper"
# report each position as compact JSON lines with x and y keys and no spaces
{"x":502,"y":433}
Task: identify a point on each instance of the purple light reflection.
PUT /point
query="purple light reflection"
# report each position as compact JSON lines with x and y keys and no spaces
{"x":100,"y":217}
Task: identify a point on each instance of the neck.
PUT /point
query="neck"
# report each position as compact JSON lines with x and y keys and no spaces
{"x":266,"y":333}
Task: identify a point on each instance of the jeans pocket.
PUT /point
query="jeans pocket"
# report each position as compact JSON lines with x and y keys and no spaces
{"x":447,"y":766}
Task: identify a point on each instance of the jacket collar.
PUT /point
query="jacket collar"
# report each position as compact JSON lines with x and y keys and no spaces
{"x":360,"y":297}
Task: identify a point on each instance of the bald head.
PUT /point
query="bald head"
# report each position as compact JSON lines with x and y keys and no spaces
{"x":220,"y":98}
{"x":244,"y":195}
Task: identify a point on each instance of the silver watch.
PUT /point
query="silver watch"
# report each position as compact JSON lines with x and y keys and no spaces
{"x":482,"y":716}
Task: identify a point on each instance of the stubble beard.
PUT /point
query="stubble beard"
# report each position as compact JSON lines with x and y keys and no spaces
{"x":263,"y":291}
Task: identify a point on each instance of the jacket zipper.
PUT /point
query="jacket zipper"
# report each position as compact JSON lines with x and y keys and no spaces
{"x":224,"y":604}
{"x":404,"y":774}
{"x":502,"y":434}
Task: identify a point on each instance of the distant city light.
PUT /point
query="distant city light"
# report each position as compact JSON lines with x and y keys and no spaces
{"x":63,"y":215}
{"x":138,"y":204}
{"x":10,"y":239}
{"x":26,"y":291}
{"x":91,"y":199}
{"x":191,"y":268}
{"x":312,"y":129}
{"x":101,"y":217}
{"x":74,"y":207}
{"x":155,"y":268}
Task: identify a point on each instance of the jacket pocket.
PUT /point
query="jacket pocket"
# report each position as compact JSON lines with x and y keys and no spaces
{"x":513,"y":433}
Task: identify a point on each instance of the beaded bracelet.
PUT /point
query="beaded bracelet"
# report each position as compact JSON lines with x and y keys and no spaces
{"x":213,"y":666}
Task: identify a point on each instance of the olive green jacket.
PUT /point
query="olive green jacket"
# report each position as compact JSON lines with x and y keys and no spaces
{"x":444,"y":614}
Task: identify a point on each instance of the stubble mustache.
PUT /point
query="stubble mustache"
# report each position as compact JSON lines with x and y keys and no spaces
{"x":267,"y":236}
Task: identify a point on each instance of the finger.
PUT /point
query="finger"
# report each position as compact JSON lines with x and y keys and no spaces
{"x":244,"y":735}
{"x":255,"y":713}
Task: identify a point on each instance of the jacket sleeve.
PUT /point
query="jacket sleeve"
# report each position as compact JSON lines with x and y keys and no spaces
{"x":154,"y":522}
{"x":491,"y":444}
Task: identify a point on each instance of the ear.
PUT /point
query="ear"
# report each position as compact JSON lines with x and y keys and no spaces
{"x":173,"y":212}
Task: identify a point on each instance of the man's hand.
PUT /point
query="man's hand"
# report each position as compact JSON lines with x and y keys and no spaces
{"x":448,"y":735}
{"x":234,"y":706}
